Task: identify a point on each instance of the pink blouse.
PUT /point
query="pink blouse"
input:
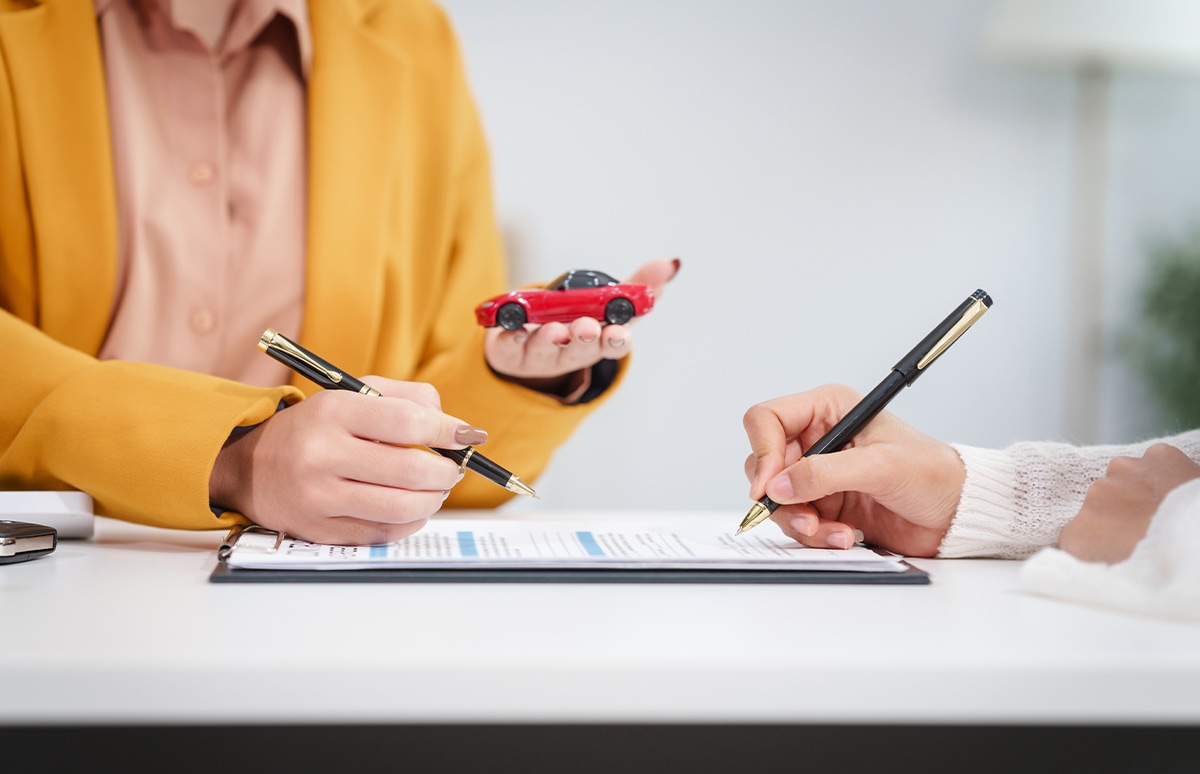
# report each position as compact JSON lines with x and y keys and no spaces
{"x":210,"y":162}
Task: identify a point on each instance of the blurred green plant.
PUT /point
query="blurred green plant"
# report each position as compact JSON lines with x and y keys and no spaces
{"x":1164,"y":346}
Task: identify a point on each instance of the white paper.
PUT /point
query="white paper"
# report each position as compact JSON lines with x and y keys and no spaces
{"x":545,"y":544}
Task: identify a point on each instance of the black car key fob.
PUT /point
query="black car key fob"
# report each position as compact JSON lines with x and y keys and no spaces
{"x":21,"y":541}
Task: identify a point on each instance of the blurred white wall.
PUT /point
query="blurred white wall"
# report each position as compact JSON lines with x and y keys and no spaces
{"x":836,"y":175}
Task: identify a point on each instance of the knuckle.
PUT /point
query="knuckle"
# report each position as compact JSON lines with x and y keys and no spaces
{"x":1118,"y":465}
{"x":448,"y":473}
{"x":428,"y":395}
{"x":750,"y":466}
{"x":334,"y":409}
{"x":312,"y":451}
{"x":390,"y":533}
{"x":754,"y":415}
{"x":356,"y":501}
{"x":323,"y":405}
{"x":841,"y":394}
{"x":442,"y":434}
{"x":1163,"y":452}
{"x":411,"y":422}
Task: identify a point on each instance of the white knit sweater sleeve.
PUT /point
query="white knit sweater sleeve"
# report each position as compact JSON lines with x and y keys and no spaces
{"x":1017,"y":500}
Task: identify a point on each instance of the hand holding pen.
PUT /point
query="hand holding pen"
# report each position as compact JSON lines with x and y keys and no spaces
{"x":895,"y":486}
{"x":343,"y":469}
{"x":330,"y":377}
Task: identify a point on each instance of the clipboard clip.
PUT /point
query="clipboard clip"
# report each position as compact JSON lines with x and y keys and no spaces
{"x":231,"y":539}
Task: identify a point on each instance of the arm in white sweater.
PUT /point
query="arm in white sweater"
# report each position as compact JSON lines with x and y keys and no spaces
{"x":1017,"y":500}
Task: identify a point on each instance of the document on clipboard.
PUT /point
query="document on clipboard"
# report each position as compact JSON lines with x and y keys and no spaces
{"x":551,"y":549}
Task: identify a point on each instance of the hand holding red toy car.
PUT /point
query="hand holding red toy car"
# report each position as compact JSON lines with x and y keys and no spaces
{"x":549,"y":339}
{"x":577,"y":293}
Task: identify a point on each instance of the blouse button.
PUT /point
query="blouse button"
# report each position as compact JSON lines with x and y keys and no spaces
{"x":202,"y":321}
{"x":201,"y":174}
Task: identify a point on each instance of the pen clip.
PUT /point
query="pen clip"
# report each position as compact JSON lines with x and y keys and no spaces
{"x":969,"y":317}
{"x":273,"y":340}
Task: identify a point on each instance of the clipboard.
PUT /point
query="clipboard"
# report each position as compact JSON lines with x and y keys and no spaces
{"x":553,"y":551}
{"x":223,"y":573}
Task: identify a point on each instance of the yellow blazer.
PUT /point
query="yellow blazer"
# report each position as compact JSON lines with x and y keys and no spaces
{"x":402,"y":244}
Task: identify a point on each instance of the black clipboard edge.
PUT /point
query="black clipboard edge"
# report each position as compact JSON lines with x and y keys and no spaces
{"x":224,"y":573}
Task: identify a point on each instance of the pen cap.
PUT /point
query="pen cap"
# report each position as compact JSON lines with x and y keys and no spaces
{"x":308,"y":365}
{"x":940,"y":338}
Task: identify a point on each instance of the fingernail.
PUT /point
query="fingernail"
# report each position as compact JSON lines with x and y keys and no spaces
{"x":615,"y":343}
{"x":780,"y":488}
{"x":470,"y":435}
{"x":839,"y":539}
{"x":676,"y":263}
{"x":445,"y":494}
{"x":587,"y":339}
{"x":520,"y":337}
{"x":461,"y":472}
{"x":858,"y":536}
{"x":805,"y":525}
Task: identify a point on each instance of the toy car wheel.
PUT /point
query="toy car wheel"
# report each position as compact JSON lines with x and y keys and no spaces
{"x":619,"y":311}
{"x":510,"y":316}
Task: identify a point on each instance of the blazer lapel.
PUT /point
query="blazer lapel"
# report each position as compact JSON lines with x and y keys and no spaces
{"x":53,"y":55}
{"x":355,"y":92}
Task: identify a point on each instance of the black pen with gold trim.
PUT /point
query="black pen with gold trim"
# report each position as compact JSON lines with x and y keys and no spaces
{"x":902,"y":374}
{"x":331,"y":377}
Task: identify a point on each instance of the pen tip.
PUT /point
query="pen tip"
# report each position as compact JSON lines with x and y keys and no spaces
{"x":520,"y":487}
{"x":739,"y":531}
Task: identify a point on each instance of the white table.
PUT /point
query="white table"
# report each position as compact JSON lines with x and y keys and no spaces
{"x":127,"y":629}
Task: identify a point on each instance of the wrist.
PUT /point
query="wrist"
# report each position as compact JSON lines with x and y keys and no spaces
{"x":567,"y":388}
{"x":226,"y":481}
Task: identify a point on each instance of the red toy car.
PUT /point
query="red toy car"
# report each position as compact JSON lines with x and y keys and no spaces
{"x":578,"y":293}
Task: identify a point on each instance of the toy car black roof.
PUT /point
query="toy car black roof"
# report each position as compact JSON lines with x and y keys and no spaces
{"x":578,"y":279}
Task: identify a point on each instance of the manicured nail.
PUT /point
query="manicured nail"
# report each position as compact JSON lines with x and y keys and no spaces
{"x":839,"y":539}
{"x":676,"y":263}
{"x":470,"y":435}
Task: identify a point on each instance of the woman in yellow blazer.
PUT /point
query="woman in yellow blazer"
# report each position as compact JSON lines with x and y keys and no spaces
{"x":401,"y":245}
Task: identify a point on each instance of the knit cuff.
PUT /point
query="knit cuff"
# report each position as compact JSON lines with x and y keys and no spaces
{"x":983,"y":525}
